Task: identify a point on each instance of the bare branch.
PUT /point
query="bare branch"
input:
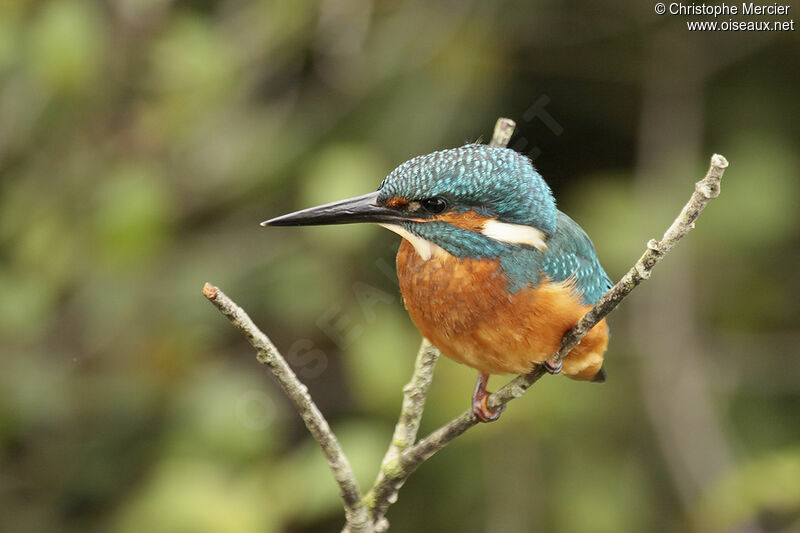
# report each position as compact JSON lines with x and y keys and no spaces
{"x":405,"y":433}
{"x":358,"y":519}
{"x":503,"y":129}
{"x":705,"y":190}
{"x":414,"y":396}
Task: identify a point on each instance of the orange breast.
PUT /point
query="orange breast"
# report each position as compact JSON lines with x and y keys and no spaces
{"x":464,"y":308}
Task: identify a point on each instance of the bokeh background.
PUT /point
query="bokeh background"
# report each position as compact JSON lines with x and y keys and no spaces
{"x":141,"y":142}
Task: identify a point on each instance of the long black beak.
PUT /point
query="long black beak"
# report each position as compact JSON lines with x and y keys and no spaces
{"x":359,"y":209}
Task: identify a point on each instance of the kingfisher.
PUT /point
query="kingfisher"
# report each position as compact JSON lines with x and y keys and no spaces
{"x":490,"y":271}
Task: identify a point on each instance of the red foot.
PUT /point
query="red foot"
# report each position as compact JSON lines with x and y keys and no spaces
{"x":479,"y":407}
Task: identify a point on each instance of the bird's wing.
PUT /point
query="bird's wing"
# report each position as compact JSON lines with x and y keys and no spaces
{"x":570,"y":254}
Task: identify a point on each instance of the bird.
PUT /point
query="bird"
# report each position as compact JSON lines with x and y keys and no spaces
{"x":490,"y":271}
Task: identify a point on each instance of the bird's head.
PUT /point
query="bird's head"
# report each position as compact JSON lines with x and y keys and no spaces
{"x":472,"y":201}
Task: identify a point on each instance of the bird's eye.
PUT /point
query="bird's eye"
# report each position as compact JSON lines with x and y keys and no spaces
{"x":434,"y":205}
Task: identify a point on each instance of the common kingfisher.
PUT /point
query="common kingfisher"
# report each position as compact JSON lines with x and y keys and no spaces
{"x":491,"y":273}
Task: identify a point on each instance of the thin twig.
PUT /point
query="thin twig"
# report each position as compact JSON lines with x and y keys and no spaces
{"x":503,"y":130}
{"x":405,"y":432}
{"x":356,"y":514}
{"x":414,"y":396}
{"x":705,"y":190}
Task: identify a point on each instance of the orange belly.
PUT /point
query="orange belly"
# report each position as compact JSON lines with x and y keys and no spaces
{"x":464,"y":308}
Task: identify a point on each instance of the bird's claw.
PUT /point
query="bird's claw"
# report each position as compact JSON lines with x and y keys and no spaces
{"x":479,"y":406}
{"x":482,"y":411}
{"x":552,"y":368}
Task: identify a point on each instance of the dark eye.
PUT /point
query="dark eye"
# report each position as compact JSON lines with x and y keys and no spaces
{"x":434,"y":205}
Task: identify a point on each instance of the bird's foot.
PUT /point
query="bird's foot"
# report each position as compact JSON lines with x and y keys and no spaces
{"x":552,"y":368}
{"x":479,"y":406}
{"x":482,"y":411}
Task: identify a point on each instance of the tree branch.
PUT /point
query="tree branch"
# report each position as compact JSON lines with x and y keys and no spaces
{"x":705,"y":190}
{"x":503,"y":130}
{"x":358,"y":519}
{"x":405,"y":432}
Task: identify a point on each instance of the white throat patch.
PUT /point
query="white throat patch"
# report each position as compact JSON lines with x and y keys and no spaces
{"x":426,"y":249}
{"x":515,"y":234}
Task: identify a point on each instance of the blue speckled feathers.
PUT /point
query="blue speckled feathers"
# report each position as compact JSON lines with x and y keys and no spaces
{"x":497,"y":182}
{"x":571,"y":253}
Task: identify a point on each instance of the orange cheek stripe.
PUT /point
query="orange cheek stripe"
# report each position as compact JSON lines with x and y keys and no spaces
{"x":396,"y":201}
{"x":470,"y":220}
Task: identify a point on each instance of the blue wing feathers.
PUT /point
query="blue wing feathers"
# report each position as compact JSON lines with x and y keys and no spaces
{"x":571,"y":253}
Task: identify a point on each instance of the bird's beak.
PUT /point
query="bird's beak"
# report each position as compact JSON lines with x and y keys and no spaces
{"x":359,"y":209}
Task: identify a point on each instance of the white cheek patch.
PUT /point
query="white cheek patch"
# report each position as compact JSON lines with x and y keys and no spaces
{"x":425,"y":249}
{"x":515,"y":234}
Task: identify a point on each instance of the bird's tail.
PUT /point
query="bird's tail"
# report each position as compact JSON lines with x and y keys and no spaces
{"x":600,"y":377}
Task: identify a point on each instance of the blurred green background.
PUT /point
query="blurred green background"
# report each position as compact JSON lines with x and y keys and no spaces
{"x":141,"y":142}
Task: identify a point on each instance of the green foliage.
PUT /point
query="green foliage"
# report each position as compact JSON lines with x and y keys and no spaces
{"x":766,"y":486}
{"x":132,"y":215}
{"x":65,"y":46}
{"x":196,"y":495}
